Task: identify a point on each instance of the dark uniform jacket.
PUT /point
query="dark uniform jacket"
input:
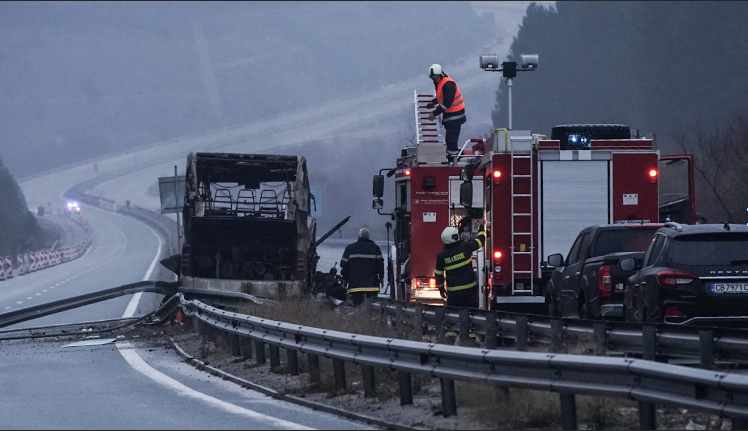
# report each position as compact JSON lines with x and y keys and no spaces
{"x":362,"y":266}
{"x":454,"y":263}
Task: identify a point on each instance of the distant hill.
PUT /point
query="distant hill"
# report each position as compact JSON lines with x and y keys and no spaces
{"x":83,"y":79}
{"x":660,"y":67}
{"x":19,"y":230}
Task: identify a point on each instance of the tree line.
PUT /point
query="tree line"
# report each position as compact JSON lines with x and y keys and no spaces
{"x":673,"y":71}
{"x":19,"y":229}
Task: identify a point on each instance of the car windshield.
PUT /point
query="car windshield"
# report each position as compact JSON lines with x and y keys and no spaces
{"x":721,"y":249}
{"x":629,"y":239}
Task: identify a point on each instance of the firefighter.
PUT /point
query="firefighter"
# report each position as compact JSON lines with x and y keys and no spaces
{"x":362,"y":268}
{"x":454,"y":263}
{"x":448,"y":102}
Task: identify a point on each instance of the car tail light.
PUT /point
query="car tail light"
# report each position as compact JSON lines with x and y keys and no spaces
{"x":675,"y":278}
{"x":423,"y":283}
{"x":673,"y":311}
{"x":603,"y":281}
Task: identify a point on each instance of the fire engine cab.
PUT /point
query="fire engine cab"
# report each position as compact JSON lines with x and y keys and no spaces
{"x":539,"y":193}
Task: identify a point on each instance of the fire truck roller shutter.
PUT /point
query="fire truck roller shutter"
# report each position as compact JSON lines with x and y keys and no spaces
{"x":576,"y":194}
{"x":591,"y":131}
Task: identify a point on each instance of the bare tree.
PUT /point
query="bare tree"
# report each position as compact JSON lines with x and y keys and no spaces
{"x":721,"y":164}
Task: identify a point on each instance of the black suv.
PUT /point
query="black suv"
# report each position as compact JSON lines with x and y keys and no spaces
{"x":690,"y":274}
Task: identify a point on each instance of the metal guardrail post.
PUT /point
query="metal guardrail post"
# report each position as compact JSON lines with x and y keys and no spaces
{"x":313,"y":368}
{"x":398,"y":313}
{"x":521,"y":322}
{"x":196,"y":324}
{"x":234,"y":344}
{"x":406,"y":388}
{"x":449,"y":398}
{"x":491,"y":330}
{"x":440,"y":315}
{"x":369,"y":382}
{"x":706,"y":349}
{"x":418,"y":320}
{"x":568,"y":411}
{"x":260,"y":351}
{"x":557,"y":335}
{"x":338,"y":367}
{"x":464,"y":326}
{"x":647,"y":412}
{"x":293,"y":362}
{"x":601,"y":338}
{"x":245,"y":345}
{"x":274,"y":356}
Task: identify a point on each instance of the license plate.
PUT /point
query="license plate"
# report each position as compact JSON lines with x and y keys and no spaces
{"x":720,"y":288}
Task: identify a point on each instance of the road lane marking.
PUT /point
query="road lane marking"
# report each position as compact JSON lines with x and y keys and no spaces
{"x":127,"y":351}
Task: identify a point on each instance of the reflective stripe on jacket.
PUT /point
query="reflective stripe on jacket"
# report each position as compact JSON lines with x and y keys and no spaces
{"x":454,"y":263}
{"x":362,"y":266}
{"x":450,"y":104}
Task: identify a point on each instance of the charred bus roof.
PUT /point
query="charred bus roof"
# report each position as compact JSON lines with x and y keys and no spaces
{"x":247,"y":168}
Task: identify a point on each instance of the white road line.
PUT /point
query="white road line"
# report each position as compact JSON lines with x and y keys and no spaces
{"x":135,"y":361}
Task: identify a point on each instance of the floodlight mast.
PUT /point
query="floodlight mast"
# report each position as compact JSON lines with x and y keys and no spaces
{"x":509,"y":69}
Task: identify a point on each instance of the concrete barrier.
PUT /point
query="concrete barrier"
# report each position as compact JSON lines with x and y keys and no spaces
{"x":19,"y":264}
{"x":8,"y":267}
{"x":2,"y":268}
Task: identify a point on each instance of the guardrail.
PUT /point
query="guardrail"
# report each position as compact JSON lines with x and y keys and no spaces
{"x":36,"y":260}
{"x":643,"y":380}
{"x":41,"y":310}
{"x":708,"y":344}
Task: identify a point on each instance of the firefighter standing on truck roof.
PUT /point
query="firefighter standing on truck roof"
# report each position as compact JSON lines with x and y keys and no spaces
{"x":449,"y":102}
{"x":362,"y":268}
{"x":454,"y":263}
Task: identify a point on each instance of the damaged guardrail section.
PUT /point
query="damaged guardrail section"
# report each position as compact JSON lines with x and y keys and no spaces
{"x":647,"y":381}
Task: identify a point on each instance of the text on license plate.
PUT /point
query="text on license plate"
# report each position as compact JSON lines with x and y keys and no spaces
{"x":729,"y":288}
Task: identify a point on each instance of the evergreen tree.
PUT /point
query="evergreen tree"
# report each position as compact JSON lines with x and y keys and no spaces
{"x":18,"y":227}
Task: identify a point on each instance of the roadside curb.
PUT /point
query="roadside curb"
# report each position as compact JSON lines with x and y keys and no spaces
{"x":200,"y":365}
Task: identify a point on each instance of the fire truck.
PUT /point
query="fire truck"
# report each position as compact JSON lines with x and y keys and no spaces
{"x":427,"y":192}
{"x":539,"y":193}
{"x":533,"y":195}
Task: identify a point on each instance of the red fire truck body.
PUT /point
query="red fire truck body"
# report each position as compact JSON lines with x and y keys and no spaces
{"x":426,"y":202}
{"x":538,"y":194}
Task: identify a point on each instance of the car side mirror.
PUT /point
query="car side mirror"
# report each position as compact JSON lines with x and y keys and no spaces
{"x":377,"y":204}
{"x":378,"y":186}
{"x":556,"y":259}
{"x":466,"y":194}
{"x":627,"y":264}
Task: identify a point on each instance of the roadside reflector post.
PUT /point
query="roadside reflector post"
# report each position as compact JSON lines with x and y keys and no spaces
{"x":569,"y":411}
{"x":293,"y":362}
{"x":314,"y":376}
{"x":464,"y":326}
{"x":338,"y":366}
{"x":521,"y":344}
{"x":557,"y":335}
{"x":369,"y":382}
{"x":406,"y":388}
{"x":449,"y":398}
{"x":706,"y":349}
{"x":274,"y":356}
{"x":260,"y":351}
{"x":601,"y":338}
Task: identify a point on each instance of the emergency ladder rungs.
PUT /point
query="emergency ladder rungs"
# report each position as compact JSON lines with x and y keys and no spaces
{"x":427,"y":132}
{"x":526,"y":237}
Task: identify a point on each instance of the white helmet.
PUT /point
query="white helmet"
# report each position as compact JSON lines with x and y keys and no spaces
{"x":450,"y":235}
{"x":435,"y":69}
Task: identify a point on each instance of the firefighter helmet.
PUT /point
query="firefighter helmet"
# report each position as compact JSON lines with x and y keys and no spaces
{"x":450,"y":235}
{"x":434,"y":70}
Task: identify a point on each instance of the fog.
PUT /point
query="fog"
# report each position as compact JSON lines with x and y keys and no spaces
{"x":85,"y":79}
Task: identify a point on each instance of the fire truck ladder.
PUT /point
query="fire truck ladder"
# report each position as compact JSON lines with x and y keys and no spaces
{"x":428,"y":132}
{"x":522,"y":172}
